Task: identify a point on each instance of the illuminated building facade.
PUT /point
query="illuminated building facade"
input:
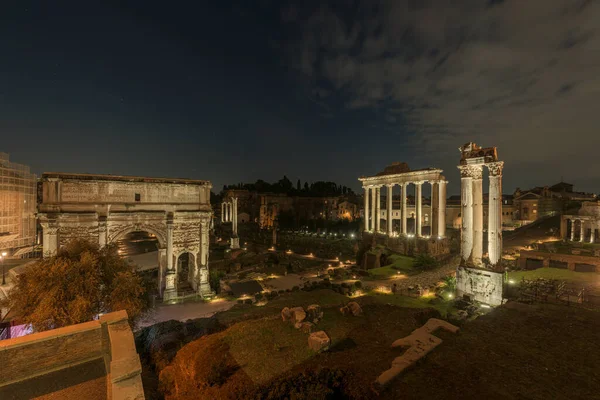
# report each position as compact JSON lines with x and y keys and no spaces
{"x":18,"y":187}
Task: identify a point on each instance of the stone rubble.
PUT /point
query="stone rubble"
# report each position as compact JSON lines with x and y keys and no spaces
{"x":319,"y":341}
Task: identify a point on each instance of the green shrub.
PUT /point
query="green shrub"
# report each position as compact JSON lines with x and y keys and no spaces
{"x":358,"y":284}
{"x":425,"y":262}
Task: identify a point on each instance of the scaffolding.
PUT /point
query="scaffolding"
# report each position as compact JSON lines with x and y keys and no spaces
{"x":18,"y":193}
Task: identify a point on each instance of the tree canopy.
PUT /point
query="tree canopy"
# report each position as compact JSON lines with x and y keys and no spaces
{"x":76,"y":285}
{"x":284,"y":185}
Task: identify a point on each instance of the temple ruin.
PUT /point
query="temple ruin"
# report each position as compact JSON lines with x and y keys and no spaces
{"x":229,"y":213}
{"x":479,"y":279}
{"x":104,"y":208}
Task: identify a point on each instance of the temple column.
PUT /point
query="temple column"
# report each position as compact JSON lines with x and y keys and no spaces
{"x":403,"y":211}
{"x":235,"y":240}
{"x":373,"y":209}
{"x":593,"y":233}
{"x":378,"y":205}
{"x":390,"y":189}
{"x":366,"y":209}
{"x":419,"y":207}
{"x":495,"y":213}
{"x":435,"y":203}
{"x":477,"y":215}
{"x":222,"y":212}
{"x":581,"y":231}
{"x":442,"y":208}
{"x":466,"y":201}
{"x":572,"y":230}
{"x":563,"y":227}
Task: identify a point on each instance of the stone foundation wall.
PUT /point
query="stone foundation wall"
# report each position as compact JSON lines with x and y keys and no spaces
{"x":571,"y":259}
{"x":438,"y":248}
{"x":480,"y":284}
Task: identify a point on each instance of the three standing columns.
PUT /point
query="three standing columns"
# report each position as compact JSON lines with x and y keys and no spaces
{"x":472,"y":213}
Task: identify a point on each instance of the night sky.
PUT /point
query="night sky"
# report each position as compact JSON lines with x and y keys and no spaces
{"x":318,"y":91}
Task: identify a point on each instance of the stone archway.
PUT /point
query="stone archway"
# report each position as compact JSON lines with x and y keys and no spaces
{"x":105,"y":208}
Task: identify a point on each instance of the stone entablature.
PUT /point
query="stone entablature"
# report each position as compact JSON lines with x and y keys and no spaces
{"x":584,"y":226}
{"x":104,"y":208}
{"x":391,"y":177}
{"x":109,"y":339}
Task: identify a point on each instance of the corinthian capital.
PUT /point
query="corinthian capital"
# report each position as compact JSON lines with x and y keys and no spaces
{"x":471,"y":171}
{"x":495,"y":168}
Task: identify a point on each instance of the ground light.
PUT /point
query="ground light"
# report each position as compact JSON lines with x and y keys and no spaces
{"x":484,"y":306}
{"x":511,"y":281}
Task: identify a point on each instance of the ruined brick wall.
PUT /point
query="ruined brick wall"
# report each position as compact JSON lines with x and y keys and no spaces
{"x":571,"y":259}
{"x":39,"y":353}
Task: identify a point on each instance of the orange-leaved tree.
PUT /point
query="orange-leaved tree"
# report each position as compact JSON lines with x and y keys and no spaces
{"x":77,"y":284}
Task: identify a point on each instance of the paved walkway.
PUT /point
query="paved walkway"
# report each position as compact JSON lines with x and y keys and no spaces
{"x":185,"y":311}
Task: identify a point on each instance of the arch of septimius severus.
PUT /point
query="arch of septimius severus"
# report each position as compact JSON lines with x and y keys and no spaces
{"x":104,"y":208}
{"x":483,"y":282}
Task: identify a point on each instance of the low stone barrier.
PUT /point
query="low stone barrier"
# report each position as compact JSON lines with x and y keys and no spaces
{"x":109,"y":338}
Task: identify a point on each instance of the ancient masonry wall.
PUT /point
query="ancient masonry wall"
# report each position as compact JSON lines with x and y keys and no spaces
{"x":481,"y":285}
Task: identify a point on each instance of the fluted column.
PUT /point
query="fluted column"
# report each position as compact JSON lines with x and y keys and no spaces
{"x":582,"y":231}
{"x":234,"y":215}
{"x":593,"y":233}
{"x":171,"y":274}
{"x":495,"y":212}
{"x":373,"y":209}
{"x":419,"y":207}
{"x":366,"y":208}
{"x":477,"y":215}
{"x":222,"y":212}
{"x":378,"y":205}
{"x":572,"y":230}
{"x":442,"y":208}
{"x":390,"y":189}
{"x":466,"y":203}
{"x":403,"y":210}
{"x":435,"y":203}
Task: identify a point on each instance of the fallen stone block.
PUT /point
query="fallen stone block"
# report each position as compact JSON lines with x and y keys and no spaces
{"x":319,"y":341}
{"x":420,"y":342}
{"x":286,"y":314}
{"x":298,"y":313}
{"x":355,"y":308}
{"x":307,"y":327}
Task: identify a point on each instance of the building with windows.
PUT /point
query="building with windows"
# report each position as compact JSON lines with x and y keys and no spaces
{"x":543,"y":201}
{"x":18,"y":193}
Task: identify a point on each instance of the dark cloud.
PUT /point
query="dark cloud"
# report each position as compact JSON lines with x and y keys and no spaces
{"x":522,"y":75}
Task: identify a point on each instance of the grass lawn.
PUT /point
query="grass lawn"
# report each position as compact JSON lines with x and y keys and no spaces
{"x":403,"y":264}
{"x":323,"y":297}
{"x":267,"y":348}
{"x":444,"y":307}
{"x":556,"y":273}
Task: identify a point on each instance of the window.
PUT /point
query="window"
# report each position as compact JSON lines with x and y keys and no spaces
{"x":138,"y":197}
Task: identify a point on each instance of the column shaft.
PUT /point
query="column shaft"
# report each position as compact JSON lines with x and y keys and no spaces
{"x":374,"y":209}
{"x":366,"y":209}
{"x":495,"y":213}
{"x":390,"y":189}
{"x":442,"y":209}
{"x":466,"y":238}
{"x":378,"y":204}
{"x":582,"y":231}
{"x":419,"y":208}
{"x":572,"y":230}
{"x":403,"y":211}
{"x":435,"y":204}
{"x":593,"y":233}
{"x":477,"y":216}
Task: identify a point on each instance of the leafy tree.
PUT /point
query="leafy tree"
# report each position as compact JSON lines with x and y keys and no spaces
{"x":76,"y":285}
{"x":298,"y":185}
